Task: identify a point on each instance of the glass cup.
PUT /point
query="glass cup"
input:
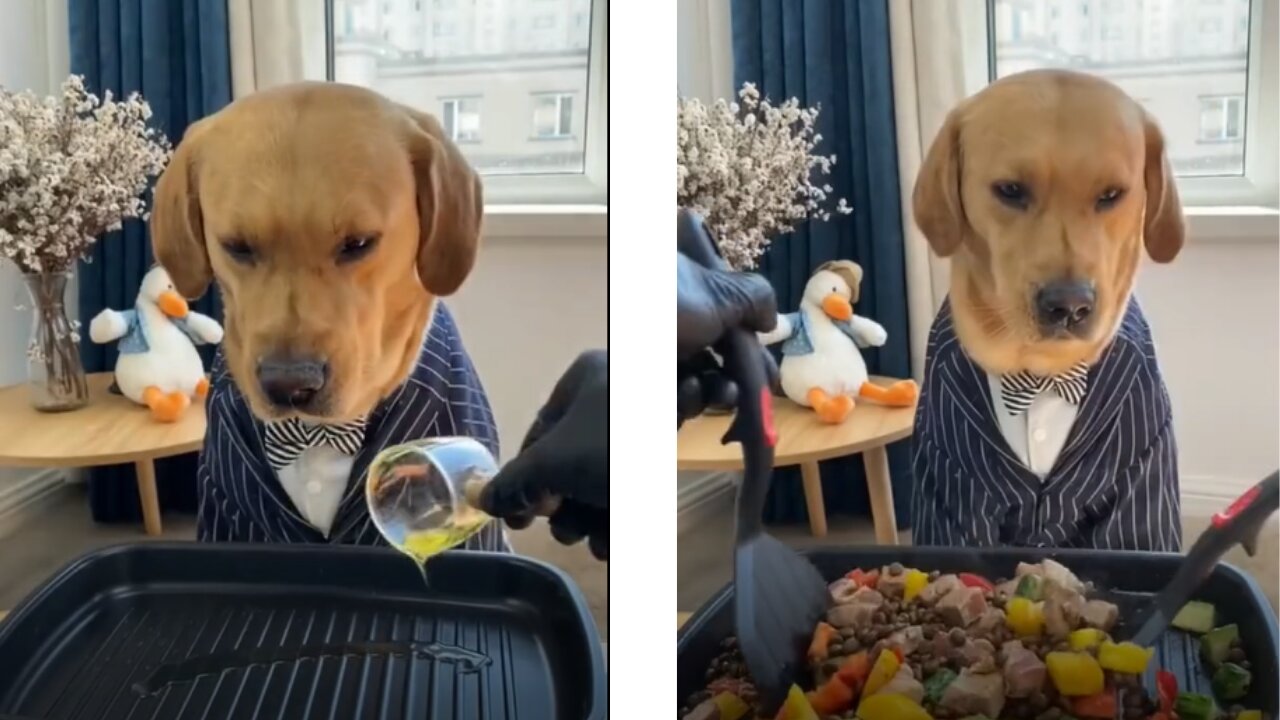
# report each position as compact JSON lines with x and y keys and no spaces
{"x":418,"y":493}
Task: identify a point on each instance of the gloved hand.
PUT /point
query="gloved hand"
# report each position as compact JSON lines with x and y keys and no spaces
{"x":710,"y":301}
{"x":564,"y":454}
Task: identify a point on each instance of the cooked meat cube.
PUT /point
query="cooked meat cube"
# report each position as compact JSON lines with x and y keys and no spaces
{"x":962,"y":606}
{"x":1007,"y":589}
{"x":1100,"y":614}
{"x":1055,"y":620}
{"x":904,"y":683}
{"x":908,"y":639}
{"x":868,"y":596}
{"x":891,"y":585}
{"x":990,"y":620}
{"x":936,"y":590}
{"x":974,"y":693}
{"x":851,"y":614}
{"x":979,"y":655}
{"x":842,"y":590}
{"x":1024,"y":672}
{"x":1057,"y":572}
{"x":706,"y":710}
{"x":1028,"y":569}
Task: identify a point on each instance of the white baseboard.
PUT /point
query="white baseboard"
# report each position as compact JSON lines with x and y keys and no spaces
{"x":700,"y":498}
{"x":27,"y":495}
{"x":1202,"y":496}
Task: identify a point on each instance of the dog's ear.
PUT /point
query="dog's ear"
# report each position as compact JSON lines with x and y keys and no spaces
{"x":936,"y":201}
{"x":450,"y":206}
{"x":1164,"y":229}
{"x":177,"y":225}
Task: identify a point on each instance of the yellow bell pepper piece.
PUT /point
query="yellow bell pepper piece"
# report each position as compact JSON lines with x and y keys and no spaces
{"x":1249,"y":715}
{"x":796,"y":706}
{"x":1074,"y":673}
{"x":1024,"y":617}
{"x":916,"y":581}
{"x":881,"y":673}
{"x":1086,"y":638}
{"x":891,"y":707}
{"x":731,"y":706}
{"x":1124,"y":657}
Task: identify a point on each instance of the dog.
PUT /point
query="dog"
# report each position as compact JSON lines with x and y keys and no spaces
{"x":1043,"y":419}
{"x":332,"y":220}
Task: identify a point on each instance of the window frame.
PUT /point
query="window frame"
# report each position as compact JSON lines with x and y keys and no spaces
{"x":579,"y":195}
{"x":1205,"y":196}
{"x":457,"y":101}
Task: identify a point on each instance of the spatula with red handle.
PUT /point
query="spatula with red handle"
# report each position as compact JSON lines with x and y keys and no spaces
{"x":1240,"y":523}
{"x":778,"y":596}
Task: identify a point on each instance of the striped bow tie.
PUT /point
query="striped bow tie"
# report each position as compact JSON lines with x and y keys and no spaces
{"x":287,"y":439}
{"x":1020,"y":388}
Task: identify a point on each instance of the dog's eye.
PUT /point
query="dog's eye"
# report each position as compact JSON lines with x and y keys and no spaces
{"x":1013,"y":194}
{"x":1109,"y":198}
{"x":356,"y":247}
{"x":239,"y":250}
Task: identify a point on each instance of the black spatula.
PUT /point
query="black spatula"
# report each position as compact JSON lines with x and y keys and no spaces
{"x":1240,"y":523}
{"x":778,"y":595}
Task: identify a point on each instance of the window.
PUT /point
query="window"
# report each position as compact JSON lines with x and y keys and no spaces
{"x":461,"y":118}
{"x":1221,"y":119}
{"x":1205,"y":69}
{"x":552,"y":115}
{"x":501,"y":51}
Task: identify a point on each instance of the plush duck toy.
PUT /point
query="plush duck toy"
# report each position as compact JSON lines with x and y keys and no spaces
{"x":822,"y":367}
{"x":158,"y":365}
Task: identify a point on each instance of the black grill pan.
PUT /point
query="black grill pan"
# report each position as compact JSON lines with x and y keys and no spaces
{"x":191,"y":631}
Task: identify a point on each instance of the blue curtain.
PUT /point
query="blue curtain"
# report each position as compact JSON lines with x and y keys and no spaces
{"x":176,"y":54}
{"x":836,"y":55}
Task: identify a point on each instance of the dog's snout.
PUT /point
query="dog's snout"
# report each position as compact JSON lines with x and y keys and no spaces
{"x":1065,"y":304}
{"x":292,"y":383}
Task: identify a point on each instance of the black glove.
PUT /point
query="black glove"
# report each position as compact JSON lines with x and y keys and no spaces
{"x":709,"y":302}
{"x":565,"y":454}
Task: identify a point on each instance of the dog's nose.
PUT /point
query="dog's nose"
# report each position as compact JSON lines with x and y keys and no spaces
{"x":1064,"y":304}
{"x":292,"y":382}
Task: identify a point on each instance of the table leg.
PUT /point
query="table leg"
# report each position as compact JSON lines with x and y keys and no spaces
{"x":146,"y":470}
{"x":813,"y":498}
{"x":880,"y":490}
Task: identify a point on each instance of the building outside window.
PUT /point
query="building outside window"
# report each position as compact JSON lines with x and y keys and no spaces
{"x":534,"y":64}
{"x":553,"y":115}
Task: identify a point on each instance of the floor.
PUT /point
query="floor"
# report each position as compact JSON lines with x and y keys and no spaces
{"x":65,"y":531}
{"x":703,"y":555}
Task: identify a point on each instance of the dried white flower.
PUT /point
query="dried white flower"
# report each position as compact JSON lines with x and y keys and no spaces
{"x":747,"y":168}
{"x":71,"y":168}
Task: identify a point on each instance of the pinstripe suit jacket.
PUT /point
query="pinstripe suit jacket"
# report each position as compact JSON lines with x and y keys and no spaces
{"x":1114,"y":485}
{"x":241,"y":500}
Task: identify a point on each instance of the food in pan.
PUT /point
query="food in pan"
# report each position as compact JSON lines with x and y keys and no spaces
{"x":901,"y":644}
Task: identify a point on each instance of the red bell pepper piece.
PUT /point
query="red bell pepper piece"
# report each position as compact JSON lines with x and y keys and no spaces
{"x":863,"y":578}
{"x":854,"y":671}
{"x":1166,"y":689}
{"x":971,"y":580}
{"x":1102,"y":705}
{"x":833,"y":697}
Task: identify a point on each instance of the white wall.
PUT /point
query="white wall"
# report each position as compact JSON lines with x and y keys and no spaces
{"x":529,"y":308}
{"x":1215,"y":316}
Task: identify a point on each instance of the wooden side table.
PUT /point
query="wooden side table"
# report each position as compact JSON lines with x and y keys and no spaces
{"x":805,"y":440}
{"x":110,"y":430}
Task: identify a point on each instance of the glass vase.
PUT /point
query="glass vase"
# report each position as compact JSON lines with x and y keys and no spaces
{"x":55,"y":373}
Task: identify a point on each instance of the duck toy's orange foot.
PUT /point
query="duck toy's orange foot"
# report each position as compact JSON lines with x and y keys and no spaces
{"x":165,"y":407}
{"x":832,"y":410}
{"x":900,"y":394}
